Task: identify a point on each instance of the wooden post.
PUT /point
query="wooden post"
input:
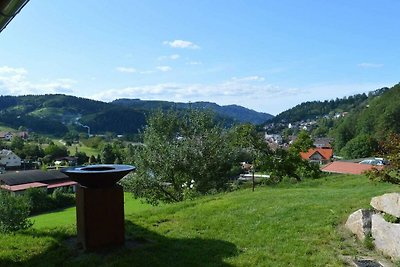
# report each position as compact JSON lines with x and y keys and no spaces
{"x":252,"y":171}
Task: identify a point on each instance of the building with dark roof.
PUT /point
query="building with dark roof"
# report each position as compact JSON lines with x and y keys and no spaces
{"x":21,"y":180}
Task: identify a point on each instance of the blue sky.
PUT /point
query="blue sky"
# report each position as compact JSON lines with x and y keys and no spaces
{"x":264,"y":55}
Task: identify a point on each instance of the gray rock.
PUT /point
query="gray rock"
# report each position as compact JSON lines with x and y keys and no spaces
{"x":359,"y":223}
{"x":388,"y":203}
{"x":386,"y":236}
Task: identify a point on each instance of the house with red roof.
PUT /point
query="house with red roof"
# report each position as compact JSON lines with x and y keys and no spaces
{"x":349,"y":167}
{"x":318,"y":155}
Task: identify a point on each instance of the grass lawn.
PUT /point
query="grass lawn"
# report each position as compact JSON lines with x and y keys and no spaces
{"x":67,"y":217}
{"x":82,"y":148}
{"x":286,"y":225}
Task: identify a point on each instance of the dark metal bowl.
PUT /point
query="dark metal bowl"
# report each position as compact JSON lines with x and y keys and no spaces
{"x":102,"y":175}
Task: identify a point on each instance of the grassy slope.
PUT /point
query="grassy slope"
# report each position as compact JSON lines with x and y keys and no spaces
{"x":82,"y":148}
{"x":66,"y":217}
{"x":292,"y":225}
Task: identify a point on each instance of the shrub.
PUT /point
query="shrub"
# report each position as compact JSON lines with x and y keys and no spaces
{"x":14,"y":212}
{"x":62,"y":198}
{"x":39,"y":200}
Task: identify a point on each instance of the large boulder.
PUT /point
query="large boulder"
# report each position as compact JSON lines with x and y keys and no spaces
{"x":386,"y":236}
{"x":359,"y":223}
{"x":388,"y":203}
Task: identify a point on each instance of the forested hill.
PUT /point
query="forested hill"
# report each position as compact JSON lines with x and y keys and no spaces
{"x":238,"y":113}
{"x":57,"y":114}
{"x":379,"y":117}
{"x":315,"y":109}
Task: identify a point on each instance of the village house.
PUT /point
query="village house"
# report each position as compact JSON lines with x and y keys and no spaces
{"x":323,"y":142}
{"x":9,"y":159}
{"x":7,"y":136}
{"x":318,"y":155}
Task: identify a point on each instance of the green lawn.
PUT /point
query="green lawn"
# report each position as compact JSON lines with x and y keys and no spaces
{"x":287,"y":225}
{"x":67,"y":217}
{"x":82,"y":148}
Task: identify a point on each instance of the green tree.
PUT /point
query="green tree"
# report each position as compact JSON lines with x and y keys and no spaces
{"x":180,"y":152}
{"x":107,"y":154}
{"x":32,"y":151}
{"x":288,"y":163}
{"x":361,"y":146}
{"x":302,"y":143}
{"x":390,"y":149}
{"x":17,"y":146}
{"x":54,"y":151}
{"x":14,"y":212}
{"x":92,"y":160}
{"x":82,"y":157}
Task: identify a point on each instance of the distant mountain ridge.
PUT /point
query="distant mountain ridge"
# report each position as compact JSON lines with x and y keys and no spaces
{"x":56,"y":114}
{"x":315,"y":109}
{"x":238,"y":113}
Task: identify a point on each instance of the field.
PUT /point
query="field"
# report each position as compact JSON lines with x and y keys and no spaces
{"x":67,"y":216}
{"x":82,"y":148}
{"x":286,"y":225}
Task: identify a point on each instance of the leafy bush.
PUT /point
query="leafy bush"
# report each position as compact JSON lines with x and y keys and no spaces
{"x":14,"y":212}
{"x":39,"y":200}
{"x":390,"y":149}
{"x":62,"y":198}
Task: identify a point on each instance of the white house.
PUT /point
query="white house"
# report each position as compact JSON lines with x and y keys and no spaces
{"x":9,"y":158}
{"x":6,"y":136}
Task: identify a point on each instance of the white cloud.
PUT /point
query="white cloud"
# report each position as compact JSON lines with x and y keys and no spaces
{"x":249,"y":79}
{"x":367,"y":65}
{"x":194,"y":63}
{"x":181,"y":44}
{"x":170,"y":57}
{"x":126,"y":69}
{"x":147,"y":72}
{"x":164,"y":68}
{"x":10,"y":70}
{"x":14,"y":81}
{"x":227,"y":92}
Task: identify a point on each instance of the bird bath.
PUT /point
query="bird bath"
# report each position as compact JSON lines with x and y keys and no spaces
{"x":99,"y":204}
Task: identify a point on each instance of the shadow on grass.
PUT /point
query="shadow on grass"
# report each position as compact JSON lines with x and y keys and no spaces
{"x":142,"y":248}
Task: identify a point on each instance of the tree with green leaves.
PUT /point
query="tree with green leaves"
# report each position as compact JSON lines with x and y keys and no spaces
{"x":361,"y":146}
{"x":181,"y":151}
{"x":54,"y":151}
{"x":14,"y":212}
{"x":107,"y":154}
{"x":302,"y":143}
{"x":390,"y":149}
{"x":288,"y":163}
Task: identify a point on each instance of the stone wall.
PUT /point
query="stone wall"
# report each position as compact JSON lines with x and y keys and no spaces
{"x":385,"y":235}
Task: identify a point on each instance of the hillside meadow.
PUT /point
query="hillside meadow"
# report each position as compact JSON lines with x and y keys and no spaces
{"x":286,"y":225}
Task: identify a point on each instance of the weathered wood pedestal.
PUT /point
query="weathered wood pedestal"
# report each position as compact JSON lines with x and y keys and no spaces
{"x":99,"y":205}
{"x":100,"y":217}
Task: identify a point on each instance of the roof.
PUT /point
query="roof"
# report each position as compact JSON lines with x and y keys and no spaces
{"x":21,"y":187}
{"x":3,"y":134}
{"x":31,"y":176}
{"x":326,"y":153}
{"x":323,"y":142}
{"x":348,"y":167}
{"x":61,"y":184}
{"x":5,"y":152}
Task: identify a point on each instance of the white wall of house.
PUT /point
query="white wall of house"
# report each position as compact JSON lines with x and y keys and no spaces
{"x":9,"y":158}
